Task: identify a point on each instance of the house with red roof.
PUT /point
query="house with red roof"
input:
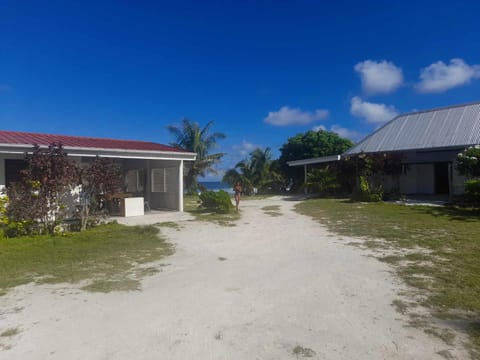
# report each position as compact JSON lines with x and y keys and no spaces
{"x":153,"y":172}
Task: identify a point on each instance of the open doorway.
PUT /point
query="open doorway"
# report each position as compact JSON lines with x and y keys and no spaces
{"x":442,"y":178}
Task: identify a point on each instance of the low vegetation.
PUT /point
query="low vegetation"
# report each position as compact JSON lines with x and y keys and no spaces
{"x":10,"y":332}
{"x":272,"y":210}
{"x":216,"y":201}
{"x":436,"y":250}
{"x":303,"y":352}
{"x":192,"y":205}
{"x":107,"y":257}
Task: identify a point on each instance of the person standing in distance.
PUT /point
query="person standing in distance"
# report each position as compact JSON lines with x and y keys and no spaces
{"x":238,"y":190}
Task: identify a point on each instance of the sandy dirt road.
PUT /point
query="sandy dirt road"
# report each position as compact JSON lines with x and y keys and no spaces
{"x":257,"y":290}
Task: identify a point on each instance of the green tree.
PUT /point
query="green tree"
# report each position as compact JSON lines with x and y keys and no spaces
{"x":310,"y":144}
{"x":190,"y":136}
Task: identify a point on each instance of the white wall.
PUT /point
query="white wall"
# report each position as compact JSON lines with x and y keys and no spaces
{"x":2,"y":174}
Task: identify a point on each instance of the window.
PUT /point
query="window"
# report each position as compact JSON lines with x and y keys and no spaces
{"x":135,"y":180}
{"x":164,"y":179}
{"x":159,"y":183}
{"x":13,"y":168}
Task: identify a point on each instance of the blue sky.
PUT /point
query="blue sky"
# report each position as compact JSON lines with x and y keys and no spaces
{"x":263,"y":71}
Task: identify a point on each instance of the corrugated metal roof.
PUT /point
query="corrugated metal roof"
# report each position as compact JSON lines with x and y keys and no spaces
{"x":27,"y":138}
{"x":449,"y":127}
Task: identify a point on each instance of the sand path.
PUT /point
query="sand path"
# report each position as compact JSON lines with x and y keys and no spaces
{"x":284,"y":282}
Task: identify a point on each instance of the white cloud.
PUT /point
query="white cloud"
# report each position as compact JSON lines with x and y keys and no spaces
{"x":347,"y":133}
{"x":379,"y":77}
{"x":287,"y":116}
{"x":343,"y":132}
{"x":319,"y":127}
{"x":440,"y":77}
{"x":373,"y":113}
{"x":245,"y":148}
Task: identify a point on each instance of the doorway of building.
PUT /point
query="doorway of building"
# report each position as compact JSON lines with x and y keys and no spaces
{"x":442,"y":178}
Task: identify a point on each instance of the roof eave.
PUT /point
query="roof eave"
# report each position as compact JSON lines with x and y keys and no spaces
{"x":105,"y":152}
{"x":318,"y":160}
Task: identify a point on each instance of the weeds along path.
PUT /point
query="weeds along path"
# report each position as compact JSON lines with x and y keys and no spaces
{"x":277,"y":285}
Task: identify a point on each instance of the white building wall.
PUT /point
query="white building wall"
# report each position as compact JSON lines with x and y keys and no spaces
{"x":2,"y":174}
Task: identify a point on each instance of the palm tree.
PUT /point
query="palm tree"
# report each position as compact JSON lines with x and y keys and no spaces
{"x":243,"y":173}
{"x":189,"y":136}
{"x":257,"y":171}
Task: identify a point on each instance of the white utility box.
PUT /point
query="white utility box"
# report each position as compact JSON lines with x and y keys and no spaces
{"x":132,"y":206}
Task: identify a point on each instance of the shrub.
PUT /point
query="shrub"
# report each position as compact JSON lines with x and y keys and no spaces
{"x":468,"y":161}
{"x":99,"y":180}
{"x":3,"y":214}
{"x":472,"y":191}
{"x":8,"y":227}
{"x":367,"y":191}
{"x":217,"y":201}
{"x":39,"y":198}
{"x":323,"y":181}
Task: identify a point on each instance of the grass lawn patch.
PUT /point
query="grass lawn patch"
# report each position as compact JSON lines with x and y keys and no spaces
{"x":191,"y":204}
{"x":108,"y":255}
{"x":10,"y":332}
{"x":256,"y":197}
{"x":303,"y":352}
{"x":435,"y":249}
{"x":272,"y":210}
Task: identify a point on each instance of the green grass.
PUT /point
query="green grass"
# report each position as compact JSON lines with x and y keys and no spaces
{"x":435,"y":249}
{"x":256,"y":197}
{"x":303,"y":352}
{"x":108,"y":255}
{"x":10,"y":332}
{"x":191,"y":204}
{"x":272,"y":210}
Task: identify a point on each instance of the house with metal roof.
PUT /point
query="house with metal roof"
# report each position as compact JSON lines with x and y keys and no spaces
{"x":428,"y":142}
{"x":153,"y":172}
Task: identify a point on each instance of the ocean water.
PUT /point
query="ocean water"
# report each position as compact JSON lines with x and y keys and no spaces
{"x":216,"y":186}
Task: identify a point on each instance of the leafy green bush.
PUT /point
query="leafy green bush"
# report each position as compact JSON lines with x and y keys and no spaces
{"x":3,"y":213}
{"x":217,"y":201}
{"x":323,"y":181}
{"x":472,"y":191}
{"x":468,"y":161}
{"x":8,"y":227}
{"x":367,"y":191}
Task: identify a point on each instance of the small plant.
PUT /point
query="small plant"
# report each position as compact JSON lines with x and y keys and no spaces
{"x":367,"y":192}
{"x":323,"y":181}
{"x":303,"y":351}
{"x":216,"y":201}
{"x":11,"y":228}
{"x":472,"y":191}
{"x":10,"y":332}
{"x":99,"y":181}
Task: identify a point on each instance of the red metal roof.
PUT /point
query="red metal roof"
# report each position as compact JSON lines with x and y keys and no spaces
{"x":27,"y":138}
